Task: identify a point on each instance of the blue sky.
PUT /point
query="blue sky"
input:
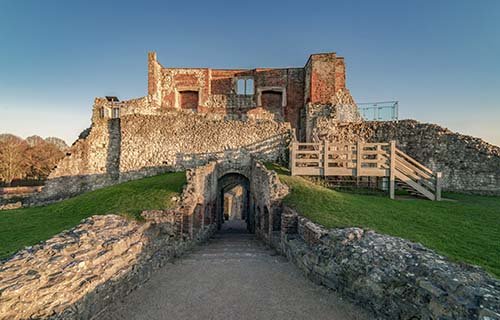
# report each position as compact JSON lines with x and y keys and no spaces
{"x":440,"y":59}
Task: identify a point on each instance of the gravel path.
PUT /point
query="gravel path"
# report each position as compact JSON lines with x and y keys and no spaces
{"x":233,"y":276}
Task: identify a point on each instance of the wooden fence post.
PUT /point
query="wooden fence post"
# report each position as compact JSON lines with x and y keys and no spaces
{"x":292,"y":157}
{"x":392,"y":169}
{"x":325,"y":156}
{"x":359,"y":156}
{"x":439,"y":181}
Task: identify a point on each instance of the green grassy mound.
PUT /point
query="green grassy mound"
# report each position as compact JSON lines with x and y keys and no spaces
{"x":28,"y":226}
{"x":464,"y":228}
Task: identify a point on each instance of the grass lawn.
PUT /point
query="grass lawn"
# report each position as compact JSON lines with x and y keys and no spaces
{"x":28,"y":226}
{"x":465,"y":229}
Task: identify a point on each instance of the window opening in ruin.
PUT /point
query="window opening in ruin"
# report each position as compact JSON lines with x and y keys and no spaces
{"x":116,"y":113}
{"x":245,"y":86}
{"x":273,"y":100}
{"x":189,"y":100}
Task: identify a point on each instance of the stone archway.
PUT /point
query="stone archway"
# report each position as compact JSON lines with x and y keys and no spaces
{"x":225,"y":184}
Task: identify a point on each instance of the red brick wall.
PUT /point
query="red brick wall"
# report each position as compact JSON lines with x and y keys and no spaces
{"x":222,"y":80}
{"x":292,"y":79}
{"x":317,"y":82}
{"x":327,"y":77}
{"x":339,"y":73}
{"x":294,"y":95}
{"x":183,"y":79}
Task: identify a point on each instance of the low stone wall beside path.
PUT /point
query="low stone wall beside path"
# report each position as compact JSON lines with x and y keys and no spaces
{"x":75,"y":274}
{"x":393,"y":277}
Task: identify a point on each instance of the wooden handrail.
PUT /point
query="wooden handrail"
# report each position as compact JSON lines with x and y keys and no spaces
{"x":428,"y":183}
{"x":415,"y":162}
{"x":417,"y":170}
{"x":364,"y":159}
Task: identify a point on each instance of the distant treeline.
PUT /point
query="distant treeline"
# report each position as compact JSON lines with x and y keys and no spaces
{"x":28,"y":161}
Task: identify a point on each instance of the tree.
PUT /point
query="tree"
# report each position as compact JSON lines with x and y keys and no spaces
{"x":41,"y":158}
{"x":12,"y":159}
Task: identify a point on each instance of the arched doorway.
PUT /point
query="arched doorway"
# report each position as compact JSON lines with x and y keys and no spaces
{"x":233,"y":202}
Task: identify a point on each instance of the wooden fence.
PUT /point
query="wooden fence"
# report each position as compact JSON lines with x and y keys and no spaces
{"x":364,"y":160}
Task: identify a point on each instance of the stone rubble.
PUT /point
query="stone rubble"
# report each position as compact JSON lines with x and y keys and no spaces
{"x":392,"y":277}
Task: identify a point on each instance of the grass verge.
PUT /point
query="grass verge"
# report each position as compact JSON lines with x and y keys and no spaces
{"x":28,"y":226}
{"x":467,"y":228}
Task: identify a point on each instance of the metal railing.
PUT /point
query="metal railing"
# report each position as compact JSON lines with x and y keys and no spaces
{"x":379,"y":111}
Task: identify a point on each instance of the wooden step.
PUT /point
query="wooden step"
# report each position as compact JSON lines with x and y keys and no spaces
{"x":417,"y":187}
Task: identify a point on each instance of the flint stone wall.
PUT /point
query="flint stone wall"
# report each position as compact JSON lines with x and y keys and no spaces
{"x":76,"y":274}
{"x":137,"y":146}
{"x":267,"y":193}
{"x":393,"y":277}
{"x":90,"y":163}
{"x":189,"y":140}
{"x":468,"y":164}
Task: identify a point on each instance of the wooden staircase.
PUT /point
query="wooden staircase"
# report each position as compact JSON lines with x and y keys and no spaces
{"x":416,"y":178}
{"x":366,"y":160}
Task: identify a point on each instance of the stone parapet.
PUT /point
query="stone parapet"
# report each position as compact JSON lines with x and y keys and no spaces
{"x":392,"y":277}
{"x":77,"y":273}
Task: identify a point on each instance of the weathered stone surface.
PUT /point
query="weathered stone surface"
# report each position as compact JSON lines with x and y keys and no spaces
{"x":137,"y":146}
{"x":393,"y":277}
{"x":267,"y":194}
{"x":75,"y":274}
{"x":468,"y":164}
{"x":183,"y":140}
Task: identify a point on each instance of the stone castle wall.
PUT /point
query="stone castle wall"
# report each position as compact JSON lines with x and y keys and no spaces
{"x":191,"y":116}
{"x":390,"y":276}
{"x":468,"y":164}
{"x":183,"y":140}
{"x":90,"y":163}
{"x":136,"y":146}
{"x":267,"y":195}
{"x":341,"y":109}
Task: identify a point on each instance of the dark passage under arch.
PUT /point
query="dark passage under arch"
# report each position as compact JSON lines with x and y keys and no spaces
{"x":225,"y":184}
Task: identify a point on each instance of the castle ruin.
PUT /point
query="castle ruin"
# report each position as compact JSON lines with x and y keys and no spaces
{"x":191,"y":116}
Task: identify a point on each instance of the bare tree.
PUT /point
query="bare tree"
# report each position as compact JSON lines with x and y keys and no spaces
{"x":41,"y":159}
{"x":12,"y":158}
